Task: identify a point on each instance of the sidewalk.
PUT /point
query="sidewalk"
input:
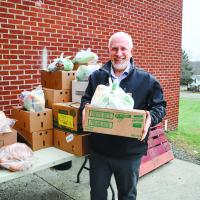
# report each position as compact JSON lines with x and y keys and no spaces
{"x":176,"y":180}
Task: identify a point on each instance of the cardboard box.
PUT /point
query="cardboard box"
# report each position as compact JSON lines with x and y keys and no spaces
{"x":78,"y":90}
{"x":38,"y":139}
{"x":72,"y":143}
{"x":32,"y":121}
{"x":8,"y":138}
{"x":59,"y":80}
{"x":115,"y":122}
{"x":56,"y":96}
{"x":66,"y":117}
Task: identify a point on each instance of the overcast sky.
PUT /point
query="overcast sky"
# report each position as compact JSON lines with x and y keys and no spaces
{"x":191,"y":28}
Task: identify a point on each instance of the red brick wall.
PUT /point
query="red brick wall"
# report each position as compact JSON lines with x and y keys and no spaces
{"x":26,"y":26}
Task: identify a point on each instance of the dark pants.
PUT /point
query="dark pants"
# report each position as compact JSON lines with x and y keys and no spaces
{"x":126,"y":173}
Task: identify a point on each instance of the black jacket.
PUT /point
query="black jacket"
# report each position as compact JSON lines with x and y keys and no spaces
{"x":147,"y":94}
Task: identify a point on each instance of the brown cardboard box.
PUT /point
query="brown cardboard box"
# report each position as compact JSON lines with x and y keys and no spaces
{"x":72,"y":143}
{"x":66,"y":117}
{"x":59,"y":80}
{"x":8,"y":138}
{"x":56,"y":96}
{"x":78,"y":90}
{"x":32,"y":121}
{"x":115,"y":122}
{"x":38,"y":139}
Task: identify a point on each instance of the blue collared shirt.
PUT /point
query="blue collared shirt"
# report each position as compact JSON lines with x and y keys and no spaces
{"x":122,"y":76}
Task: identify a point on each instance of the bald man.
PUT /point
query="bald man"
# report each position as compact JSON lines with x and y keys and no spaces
{"x":115,"y":155}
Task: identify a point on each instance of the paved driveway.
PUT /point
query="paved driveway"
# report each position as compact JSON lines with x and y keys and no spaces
{"x":187,"y":94}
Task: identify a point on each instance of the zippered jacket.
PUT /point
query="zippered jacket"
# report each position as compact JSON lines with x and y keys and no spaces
{"x":147,"y":94}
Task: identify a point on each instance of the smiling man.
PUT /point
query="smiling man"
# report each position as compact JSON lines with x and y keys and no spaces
{"x":120,"y":50}
{"x":115,"y":155}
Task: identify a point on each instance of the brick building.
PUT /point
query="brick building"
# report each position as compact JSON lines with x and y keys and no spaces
{"x":26,"y":26}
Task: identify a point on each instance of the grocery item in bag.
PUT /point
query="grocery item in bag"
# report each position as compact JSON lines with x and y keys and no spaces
{"x":6,"y":123}
{"x":33,"y":100}
{"x":112,"y":96}
{"x":85,"y":57}
{"x":16,"y":157}
{"x":84,"y":71}
{"x":61,"y":64}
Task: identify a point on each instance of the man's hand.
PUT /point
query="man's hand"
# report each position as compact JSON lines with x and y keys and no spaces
{"x":147,"y":125}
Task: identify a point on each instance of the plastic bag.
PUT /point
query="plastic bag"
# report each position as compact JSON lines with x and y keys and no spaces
{"x":84,"y":71}
{"x":85,"y":57}
{"x":6,"y":123}
{"x":16,"y":157}
{"x":112,"y":96}
{"x":33,"y":100}
{"x":61,"y":64}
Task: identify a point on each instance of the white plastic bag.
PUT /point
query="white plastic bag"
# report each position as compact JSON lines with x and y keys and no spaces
{"x":84,"y":71}
{"x":61,"y":64}
{"x":33,"y":100}
{"x":112,"y":96}
{"x":6,"y":123}
{"x":16,"y":157}
{"x":85,"y":57}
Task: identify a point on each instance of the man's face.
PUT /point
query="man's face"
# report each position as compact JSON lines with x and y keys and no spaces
{"x":120,"y":53}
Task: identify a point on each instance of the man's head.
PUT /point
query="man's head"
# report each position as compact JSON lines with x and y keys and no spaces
{"x":120,"y":50}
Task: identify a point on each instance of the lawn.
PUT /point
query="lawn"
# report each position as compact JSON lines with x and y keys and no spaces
{"x":187,"y":136}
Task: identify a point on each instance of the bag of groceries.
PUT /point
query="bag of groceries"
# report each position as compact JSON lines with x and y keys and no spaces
{"x":6,"y":123}
{"x":61,"y":64}
{"x":16,"y":157}
{"x":112,"y":96}
{"x":85,"y":57}
{"x":84,"y":71}
{"x":33,"y":100}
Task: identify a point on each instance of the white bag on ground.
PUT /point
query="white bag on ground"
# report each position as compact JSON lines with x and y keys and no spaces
{"x":112,"y":96}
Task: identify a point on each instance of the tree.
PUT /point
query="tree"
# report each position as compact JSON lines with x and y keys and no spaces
{"x":186,"y":70}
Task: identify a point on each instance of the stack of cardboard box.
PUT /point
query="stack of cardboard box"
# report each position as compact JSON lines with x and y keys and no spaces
{"x":62,"y":128}
{"x":67,"y":135}
{"x":35,"y":127}
{"x":57,"y":86}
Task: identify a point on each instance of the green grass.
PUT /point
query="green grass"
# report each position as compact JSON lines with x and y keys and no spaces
{"x":187,"y":136}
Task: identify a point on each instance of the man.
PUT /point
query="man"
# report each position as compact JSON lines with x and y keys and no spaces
{"x":117,"y":155}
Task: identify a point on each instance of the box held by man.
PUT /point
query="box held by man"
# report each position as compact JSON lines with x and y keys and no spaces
{"x":114,"y":122}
